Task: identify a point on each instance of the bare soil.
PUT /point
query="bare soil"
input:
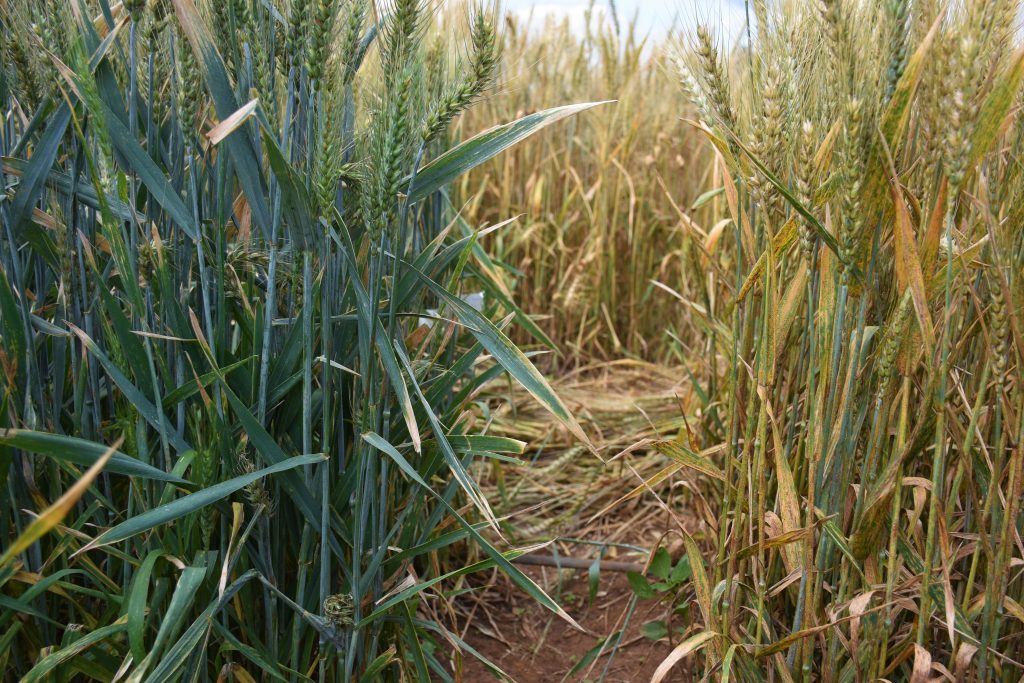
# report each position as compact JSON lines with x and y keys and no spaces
{"x":531,"y":644}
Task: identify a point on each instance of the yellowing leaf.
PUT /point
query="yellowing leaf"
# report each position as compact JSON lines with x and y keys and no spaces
{"x":228,"y":126}
{"x":682,"y":650}
{"x":53,"y":515}
{"x":684,"y":456}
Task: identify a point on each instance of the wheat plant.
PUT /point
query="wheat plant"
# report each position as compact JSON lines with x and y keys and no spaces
{"x":605,"y":202}
{"x":864,"y":344}
{"x":229,"y":449}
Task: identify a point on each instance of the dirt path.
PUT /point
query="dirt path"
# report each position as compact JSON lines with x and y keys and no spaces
{"x":567,"y":493}
{"x":530,"y":644}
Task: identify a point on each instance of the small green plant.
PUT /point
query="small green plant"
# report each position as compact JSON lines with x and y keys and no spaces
{"x":665,"y":582}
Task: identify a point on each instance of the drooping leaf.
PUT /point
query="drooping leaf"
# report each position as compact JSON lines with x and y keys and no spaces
{"x":81,"y":452}
{"x":680,"y":652}
{"x":510,"y":357}
{"x":192,"y":502}
{"x":67,"y":654}
{"x":485,"y":146}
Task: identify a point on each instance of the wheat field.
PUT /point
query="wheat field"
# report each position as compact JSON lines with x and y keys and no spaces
{"x":308,"y":310}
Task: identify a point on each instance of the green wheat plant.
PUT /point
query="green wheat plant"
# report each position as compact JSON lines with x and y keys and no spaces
{"x":230,"y":446}
{"x":864,"y":336}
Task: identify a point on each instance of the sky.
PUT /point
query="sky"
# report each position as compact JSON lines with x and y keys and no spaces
{"x":653,"y":16}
